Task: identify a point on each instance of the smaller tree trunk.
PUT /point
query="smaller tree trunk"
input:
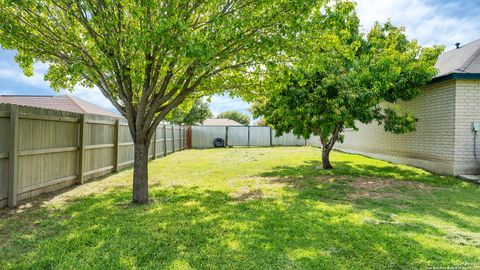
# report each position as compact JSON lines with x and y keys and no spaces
{"x":140,"y":174}
{"x":326,"y":158}
{"x":328,"y":146}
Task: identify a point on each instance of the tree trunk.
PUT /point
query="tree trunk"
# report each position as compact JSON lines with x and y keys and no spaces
{"x":326,"y":158}
{"x":140,"y":174}
{"x":328,"y":146}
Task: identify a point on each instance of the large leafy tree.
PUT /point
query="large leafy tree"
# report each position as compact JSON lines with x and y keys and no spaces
{"x":194,"y":114}
{"x":147,"y":56}
{"x":340,"y":77}
{"x":235,"y":116}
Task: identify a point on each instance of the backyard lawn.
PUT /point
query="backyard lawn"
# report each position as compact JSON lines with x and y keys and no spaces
{"x":251,"y":208}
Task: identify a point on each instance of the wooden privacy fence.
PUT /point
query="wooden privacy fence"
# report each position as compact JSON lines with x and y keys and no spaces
{"x":203,"y":136}
{"x":44,"y":150}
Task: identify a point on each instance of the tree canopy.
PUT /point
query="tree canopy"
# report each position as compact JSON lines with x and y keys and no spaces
{"x":196,"y":113}
{"x":260,"y":122}
{"x":341,"y":76}
{"x":147,"y":57}
{"x":236,"y":116}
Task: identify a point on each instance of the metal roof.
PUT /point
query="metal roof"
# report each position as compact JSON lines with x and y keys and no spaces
{"x":62,"y":103}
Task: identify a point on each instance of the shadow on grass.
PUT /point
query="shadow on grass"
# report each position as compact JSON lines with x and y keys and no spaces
{"x":205,"y":229}
{"x":350,"y":168}
{"x":388,"y":191}
{"x":314,"y":222}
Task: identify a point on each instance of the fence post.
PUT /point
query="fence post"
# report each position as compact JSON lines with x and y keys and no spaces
{"x":155,"y":143}
{"x":226,"y":136}
{"x":271,"y":139}
{"x":183,"y":138}
{"x":81,"y":149}
{"x":117,"y":145}
{"x":189,"y":135}
{"x":173,"y":138}
{"x":165,"y":140}
{"x":248,"y":136}
{"x":180,"y":138}
{"x":13,"y":157}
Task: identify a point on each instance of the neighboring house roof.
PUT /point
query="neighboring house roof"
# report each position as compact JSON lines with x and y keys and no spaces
{"x":464,"y":61}
{"x":62,"y":103}
{"x":220,"y":122}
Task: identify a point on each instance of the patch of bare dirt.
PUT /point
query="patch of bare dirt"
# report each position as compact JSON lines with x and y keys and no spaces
{"x":358,"y":187}
{"x":374,"y":195}
{"x":463,"y":238}
{"x":326,"y":179}
{"x":301,"y":182}
{"x":378,"y":183}
{"x":401,"y":206}
{"x":294,"y":182}
{"x":378,"y":188}
{"x":245,"y":194}
{"x":383,"y":222}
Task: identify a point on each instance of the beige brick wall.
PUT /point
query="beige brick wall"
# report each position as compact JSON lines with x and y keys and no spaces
{"x":432,"y":145}
{"x":467,"y":110}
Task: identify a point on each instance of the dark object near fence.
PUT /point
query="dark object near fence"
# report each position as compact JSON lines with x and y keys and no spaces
{"x":218,"y":142}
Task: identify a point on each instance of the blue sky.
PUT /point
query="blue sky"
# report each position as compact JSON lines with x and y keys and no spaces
{"x":429,"y":21}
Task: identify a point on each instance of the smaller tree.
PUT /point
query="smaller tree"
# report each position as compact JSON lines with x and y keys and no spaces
{"x":236,"y":116}
{"x":341,"y":77}
{"x":195,"y":113}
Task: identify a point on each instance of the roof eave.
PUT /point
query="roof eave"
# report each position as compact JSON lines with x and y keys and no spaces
{"x":453,"y":76}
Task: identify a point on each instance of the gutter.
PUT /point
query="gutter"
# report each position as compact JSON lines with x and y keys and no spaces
{"x":453,"y":76}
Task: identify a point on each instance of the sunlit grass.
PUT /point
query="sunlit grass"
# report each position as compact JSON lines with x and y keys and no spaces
{"x":252,"y":208}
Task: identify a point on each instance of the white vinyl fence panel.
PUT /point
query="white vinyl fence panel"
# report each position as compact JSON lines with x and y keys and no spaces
{"x":203,"y":136}
{"x":237,"y":136}
{"x":260,"y":136}
{"x":287,"y":139}
{"x":314,"y":141}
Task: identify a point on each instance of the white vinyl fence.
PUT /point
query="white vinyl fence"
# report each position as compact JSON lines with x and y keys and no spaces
{"x":203,"y":136}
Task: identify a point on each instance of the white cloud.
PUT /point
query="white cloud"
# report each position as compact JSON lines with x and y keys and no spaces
{"x":221,"y":103}
{"x":16,"y":75}
{"x":7,"y":92}
{"x":430,"y":22}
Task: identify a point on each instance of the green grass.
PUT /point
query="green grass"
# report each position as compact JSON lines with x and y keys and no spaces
{"x":252,"y":208}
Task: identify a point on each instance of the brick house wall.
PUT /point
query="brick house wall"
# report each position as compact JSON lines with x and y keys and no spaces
{"x":467,"y":111}
{"x":443,"y":140}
